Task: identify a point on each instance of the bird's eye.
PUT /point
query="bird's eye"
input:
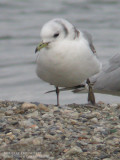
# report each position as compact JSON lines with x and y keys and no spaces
{"x":56,"y":35}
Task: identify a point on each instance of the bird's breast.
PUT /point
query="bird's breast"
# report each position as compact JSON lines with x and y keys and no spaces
{"x":66,"y":64}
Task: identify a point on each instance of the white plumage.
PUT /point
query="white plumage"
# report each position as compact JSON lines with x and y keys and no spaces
{"x":69,"y":58}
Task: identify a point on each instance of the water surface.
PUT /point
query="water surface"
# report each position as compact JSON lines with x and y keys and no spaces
{"x":20,"y":24}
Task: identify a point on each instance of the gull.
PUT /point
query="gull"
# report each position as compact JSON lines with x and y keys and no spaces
{"x":108,"y":79}
{"x":67,"y":56}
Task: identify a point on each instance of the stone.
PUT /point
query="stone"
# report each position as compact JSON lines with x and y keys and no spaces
{"x":19,"y":111}
{"x":27,"y":123}
{"x":26,"y":141}
{"x":42,"y":107}
{"x":33,"y":114}
{"x":9,"y":113}
{"x":34,"y":126}
{"x":48,"y":136}
{"x":99,"y":129}
{"x":10,"y":135}
{"x":94,"y":120}
{"x":114,"y":105}
{"x":38,"y":141}
{"x":74,"y":122}
{"x":117,"y":126}
{"x":28,"y":106}
{"x":97,"y":139}
{"x":96,"y":114}
{"x":74,"y":150}
{"x":13,"y":122}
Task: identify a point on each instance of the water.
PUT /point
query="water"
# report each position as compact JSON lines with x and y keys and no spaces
{"x":20,"y":24}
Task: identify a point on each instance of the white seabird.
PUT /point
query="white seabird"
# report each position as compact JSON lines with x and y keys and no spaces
{"x":67,"y":56}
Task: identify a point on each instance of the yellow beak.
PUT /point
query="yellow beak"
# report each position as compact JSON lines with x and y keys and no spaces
{"x":40,"y":46}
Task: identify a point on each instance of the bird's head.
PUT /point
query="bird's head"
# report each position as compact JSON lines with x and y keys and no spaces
{"x":55,"y":30}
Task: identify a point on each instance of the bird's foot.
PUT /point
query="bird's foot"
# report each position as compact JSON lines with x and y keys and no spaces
{"x":91,"y":96}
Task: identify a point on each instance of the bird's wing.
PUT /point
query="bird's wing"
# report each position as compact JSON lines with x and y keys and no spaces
{"x":114,"y":63}
{"x":109,"y":78}
{"x":88,"y":37}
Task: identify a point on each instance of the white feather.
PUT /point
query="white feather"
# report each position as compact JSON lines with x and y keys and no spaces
{"x":66,"y":62}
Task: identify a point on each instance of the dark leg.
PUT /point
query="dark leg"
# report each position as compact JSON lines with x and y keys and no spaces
{"x":91,"y":97}
{"x":57,"y":92}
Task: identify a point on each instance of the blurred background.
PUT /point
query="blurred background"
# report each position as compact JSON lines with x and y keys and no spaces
{"x":20,"y":24}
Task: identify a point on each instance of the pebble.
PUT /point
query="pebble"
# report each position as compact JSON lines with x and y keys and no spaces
{"x":27,"y":123}
{"x":28,"y":106}
{"x":38,"y":141}
{"x":66,"y":132}
{"x":33,"y":114}
{"x":74,"y":150}
{"x":48,"y":136}
{"x":114,"y":105}
{"x":97,"y":139}
{"x":9,"y":113}
{"x":10,"y":135}
{"x":42,"y":107}
{"x":94,"y":120}
{"x":26,"y":141}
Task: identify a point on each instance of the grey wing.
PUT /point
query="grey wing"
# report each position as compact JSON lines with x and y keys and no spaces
{"x":88,"y":37}
{"x":109,"y":78}
{"x":114,"y":63}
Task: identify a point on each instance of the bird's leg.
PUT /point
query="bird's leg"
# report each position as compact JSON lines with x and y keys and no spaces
{"x":57,"y":92}
{"x":91,"y":97}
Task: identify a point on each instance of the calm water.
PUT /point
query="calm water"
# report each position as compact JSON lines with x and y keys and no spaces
{"x":20,"y":24}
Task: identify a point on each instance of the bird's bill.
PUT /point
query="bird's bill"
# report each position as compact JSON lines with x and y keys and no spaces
{"x":40,"y":46}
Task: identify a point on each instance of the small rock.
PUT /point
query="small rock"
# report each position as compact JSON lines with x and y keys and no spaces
{"x":26,"y":141}
{"x":7,"y":141}
{"x":96,"y":114}
{"x":10,"y":135}
{"x":13,"y":122}
{"x":74,"y":122}
{"x":33,"y":114}
{"x":48,"y":136}
{"x":19,"y":111}
{"x":38,"y":141}
{"x":42,"y":107}
{"x":100,"y":102}
{"x":27,"y":123}
{"x":46,"y":115}
{"x":82,"y":143}
{"x":9,"y":113}
{"x":34,"y":126}
{"x":74,"y":150}
{"x":28,"y":106}
{"x":94,"y":120}
{"x":97,"y":139}
{"x":117,"y":126}
{"x":9,"y":107}
{"x":99,"y":129}
{"x":14,"y":108}
{"x":114,"y":105}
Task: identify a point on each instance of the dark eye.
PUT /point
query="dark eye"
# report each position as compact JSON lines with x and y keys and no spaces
{"x":56,"y":35}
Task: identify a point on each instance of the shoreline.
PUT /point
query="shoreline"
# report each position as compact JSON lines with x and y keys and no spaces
{"x":38,"y":131}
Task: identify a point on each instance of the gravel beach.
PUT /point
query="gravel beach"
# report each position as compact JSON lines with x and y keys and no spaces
{"x":69,"y":132}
